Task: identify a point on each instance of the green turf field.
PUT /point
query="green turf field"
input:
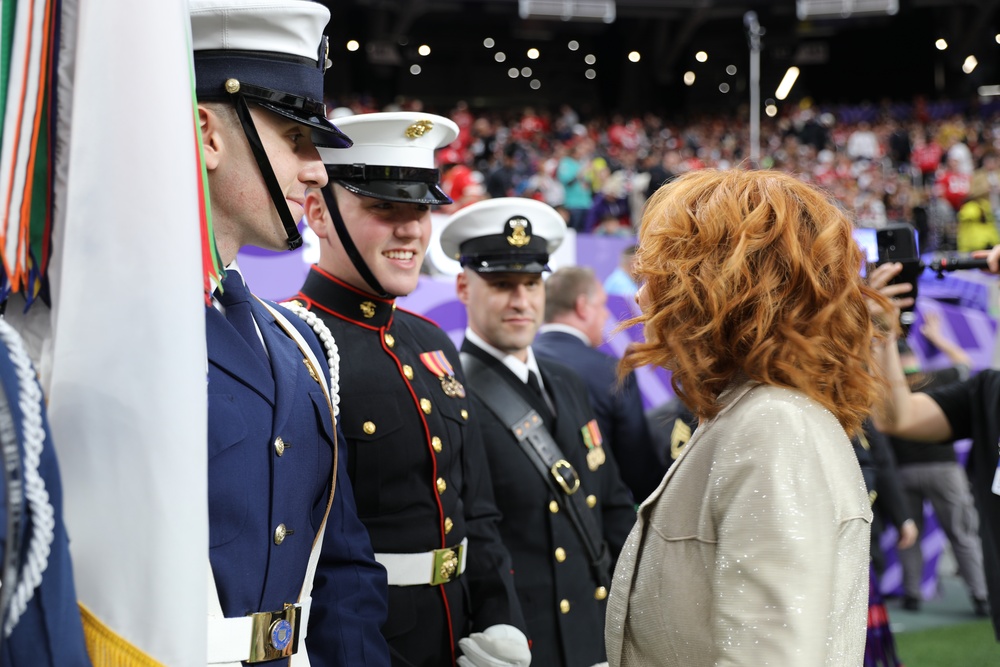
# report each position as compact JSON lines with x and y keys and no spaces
{"x":961,"y":645}
{"x":945,"y":632}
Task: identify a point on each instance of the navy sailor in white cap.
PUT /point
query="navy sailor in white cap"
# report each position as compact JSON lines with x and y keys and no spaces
{"x":416,"y":459}
{"x":566,"y":512}
{"x":288,"y":553}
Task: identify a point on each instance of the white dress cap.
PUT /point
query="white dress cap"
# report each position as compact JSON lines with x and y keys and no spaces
{"x":392,"y":157}
{"x":506,"y":234}
{"x":396,"y":139}
{"x":292,"y":27}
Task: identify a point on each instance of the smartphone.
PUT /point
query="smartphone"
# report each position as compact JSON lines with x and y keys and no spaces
{"x":865,"y":238}
{"x":897,"y":242}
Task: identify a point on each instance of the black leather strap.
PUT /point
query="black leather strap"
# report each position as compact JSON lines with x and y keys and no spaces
{"x":543,"y":451}
{"x":352,"y":250}
{"x":273,"y":188}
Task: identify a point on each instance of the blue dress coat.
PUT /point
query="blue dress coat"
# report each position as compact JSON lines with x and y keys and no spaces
{"x":258,"y":487}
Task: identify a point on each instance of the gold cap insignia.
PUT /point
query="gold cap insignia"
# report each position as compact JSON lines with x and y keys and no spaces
{"x":519,"y":235}
{"x":368,"y":309}
{"x":419,"y":129}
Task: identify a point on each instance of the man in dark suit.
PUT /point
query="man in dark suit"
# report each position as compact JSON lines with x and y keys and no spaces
{"x":566,"y":512}
{"x":416,"y":459}
{"x":575,"y":314}
{"x":283,"y":529}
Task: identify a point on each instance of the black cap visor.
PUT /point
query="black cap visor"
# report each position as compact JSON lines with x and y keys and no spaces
{"x":288,"y":86}
{"x":324,"y":133}
{"x":406,"y":185}
{"x":507,"y":264}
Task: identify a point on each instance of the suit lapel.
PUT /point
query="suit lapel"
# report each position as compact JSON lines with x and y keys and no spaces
{"x":286,"y":361}
{"x":229,"y":352}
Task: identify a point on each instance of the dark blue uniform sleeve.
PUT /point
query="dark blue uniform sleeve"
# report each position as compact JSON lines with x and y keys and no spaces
{"x":350,"y":592}
{"x":631,"y":441}
{"x":49,"y":631}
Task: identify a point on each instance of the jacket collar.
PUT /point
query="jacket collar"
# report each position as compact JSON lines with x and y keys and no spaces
{"x":327,"y":293}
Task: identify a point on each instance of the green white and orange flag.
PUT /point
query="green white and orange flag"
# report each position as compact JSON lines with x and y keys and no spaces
{"x":27,"y":58}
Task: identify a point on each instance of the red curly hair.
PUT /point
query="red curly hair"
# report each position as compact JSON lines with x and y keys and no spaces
{"x":754,"y":274}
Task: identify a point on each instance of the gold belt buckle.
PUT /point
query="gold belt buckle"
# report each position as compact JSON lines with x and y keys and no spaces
{"x":557,"y":472}
{"x":446,"y":564}
{"x":275,"y":634}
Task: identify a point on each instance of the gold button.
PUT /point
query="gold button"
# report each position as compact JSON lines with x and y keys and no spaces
{"x":441,"y":484}
{"x":591,"y":501}
{"x":448,"y":525}
{"x":553,"y":507}
{"x":279,"y":533}
{"x":279,"y":446}
{"x":436,"y":444}
{"x":465,"y":414}
{"x":560,"y":555}
{"x":600,"y":593}
{"x":564,"y":606}
{"x":232,"y":86}
{"x":389,"y":340}
{"x":368,"y":428}
{"x":408,"y":371}
{"x":425,"y":405}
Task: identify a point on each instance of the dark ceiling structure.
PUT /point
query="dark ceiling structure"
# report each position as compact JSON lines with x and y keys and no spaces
{"x":847,"y":51}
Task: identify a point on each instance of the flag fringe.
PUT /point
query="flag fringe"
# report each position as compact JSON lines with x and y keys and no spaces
{"x":107,"y":648}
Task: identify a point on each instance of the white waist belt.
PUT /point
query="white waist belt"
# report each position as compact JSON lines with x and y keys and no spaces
{"x":241,"y":639}
{"x":430,"y":568}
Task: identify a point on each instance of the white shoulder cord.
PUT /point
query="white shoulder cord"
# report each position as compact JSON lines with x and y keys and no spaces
{"x":329,"y":346}
{"x":39,"y":508}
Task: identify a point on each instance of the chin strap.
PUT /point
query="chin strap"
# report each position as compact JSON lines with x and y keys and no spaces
{"x":352,"y":250}
{"x":277,"y":196}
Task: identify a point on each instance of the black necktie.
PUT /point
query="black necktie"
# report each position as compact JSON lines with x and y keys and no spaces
{"x":535,"y":385}
{"x":235,"y":298}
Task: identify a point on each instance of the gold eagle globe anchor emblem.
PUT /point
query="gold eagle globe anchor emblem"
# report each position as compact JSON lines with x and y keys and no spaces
{"x":519,"y":236}
{"x":368,"y":309}
{"x":419,"y":129}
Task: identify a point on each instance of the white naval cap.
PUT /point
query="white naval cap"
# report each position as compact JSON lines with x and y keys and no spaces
{"x":507,"y":234}
{"x":292,"y":27}
{"x":393,"y":156}
{"x":273,"y":52}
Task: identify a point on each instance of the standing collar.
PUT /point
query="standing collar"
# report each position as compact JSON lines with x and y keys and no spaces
{"x":333,"y":295}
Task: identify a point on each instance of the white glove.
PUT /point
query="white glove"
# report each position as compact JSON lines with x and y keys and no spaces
{"x":601,"y":664}
{"x":496,"y":646}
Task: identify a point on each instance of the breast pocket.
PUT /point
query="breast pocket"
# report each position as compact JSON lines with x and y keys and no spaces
{"x":228,"y":469}
{"x":372,"y":427}
{"x":324,"y":451}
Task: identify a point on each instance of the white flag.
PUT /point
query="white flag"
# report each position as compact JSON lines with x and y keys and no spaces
{"x":128,"y":402}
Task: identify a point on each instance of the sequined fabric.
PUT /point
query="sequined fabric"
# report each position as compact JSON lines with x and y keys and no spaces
{"x":754,"y":548}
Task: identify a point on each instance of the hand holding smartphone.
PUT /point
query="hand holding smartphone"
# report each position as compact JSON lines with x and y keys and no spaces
{"x":897,"y":242}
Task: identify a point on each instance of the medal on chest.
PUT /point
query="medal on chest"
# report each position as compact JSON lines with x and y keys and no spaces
{"x":594,"y":442}
{"x":442,"y":369}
